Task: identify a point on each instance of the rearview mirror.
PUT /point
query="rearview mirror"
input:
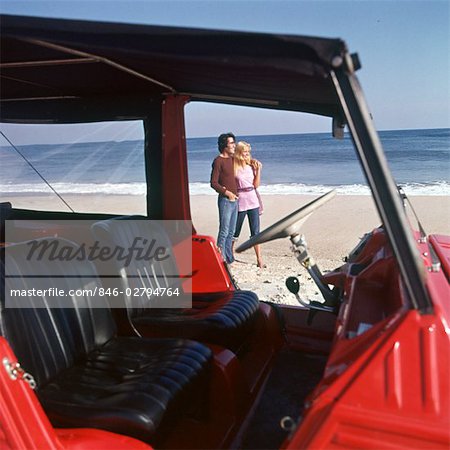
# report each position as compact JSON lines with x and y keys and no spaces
{"x":338,"y":127}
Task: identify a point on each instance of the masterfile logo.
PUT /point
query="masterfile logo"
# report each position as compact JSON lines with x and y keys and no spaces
{"x":112,"y":263}
{"x":141,"y":249}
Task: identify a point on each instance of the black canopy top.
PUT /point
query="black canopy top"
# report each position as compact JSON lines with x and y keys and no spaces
{"x":55,"y":70}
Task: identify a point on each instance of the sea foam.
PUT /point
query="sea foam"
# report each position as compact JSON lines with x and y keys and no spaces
{"x":437,"y":188}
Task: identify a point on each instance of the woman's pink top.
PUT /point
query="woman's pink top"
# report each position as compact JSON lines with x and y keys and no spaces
{"x":244,"y":180}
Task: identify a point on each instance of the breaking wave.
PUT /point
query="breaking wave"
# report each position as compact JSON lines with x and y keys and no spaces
{"x":437,"y":188}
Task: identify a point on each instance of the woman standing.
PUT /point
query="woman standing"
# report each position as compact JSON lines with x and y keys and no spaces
{"x":248,"y":175}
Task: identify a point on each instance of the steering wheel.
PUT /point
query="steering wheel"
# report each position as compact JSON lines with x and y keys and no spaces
{"x":289,"y":225}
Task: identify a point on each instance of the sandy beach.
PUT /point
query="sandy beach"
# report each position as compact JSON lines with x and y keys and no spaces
{"x":331,"y":232}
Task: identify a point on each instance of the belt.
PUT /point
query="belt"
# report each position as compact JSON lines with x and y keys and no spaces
{"x":246,"y":189}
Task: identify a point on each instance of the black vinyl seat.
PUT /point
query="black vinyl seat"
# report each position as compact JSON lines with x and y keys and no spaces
{"x":223,"y":318}
{"x":85,"y":374}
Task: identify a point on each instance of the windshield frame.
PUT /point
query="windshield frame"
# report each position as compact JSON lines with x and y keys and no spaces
{"x":382,"y":184}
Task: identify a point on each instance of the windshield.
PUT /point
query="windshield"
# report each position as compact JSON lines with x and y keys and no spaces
{"x":299,"y":166}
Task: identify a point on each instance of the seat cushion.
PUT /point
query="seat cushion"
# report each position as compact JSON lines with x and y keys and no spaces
{"x":224,"y":318}
{"x":129,"y":385}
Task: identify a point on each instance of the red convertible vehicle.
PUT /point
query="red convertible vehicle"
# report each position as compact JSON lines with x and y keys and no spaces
{"x":103,"y":367}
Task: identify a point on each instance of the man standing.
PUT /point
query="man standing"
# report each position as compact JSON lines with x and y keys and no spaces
{"x":224,"y":183}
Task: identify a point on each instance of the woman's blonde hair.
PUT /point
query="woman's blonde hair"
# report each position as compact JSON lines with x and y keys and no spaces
{"x":238,"y":159}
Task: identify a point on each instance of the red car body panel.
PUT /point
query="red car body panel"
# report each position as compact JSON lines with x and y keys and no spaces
{"x":390,"y":396}
{"x":24,"y":424}
{"x":390,"y":386}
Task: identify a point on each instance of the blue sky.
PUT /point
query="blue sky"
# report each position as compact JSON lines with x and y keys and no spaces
{"x":403,"y":46}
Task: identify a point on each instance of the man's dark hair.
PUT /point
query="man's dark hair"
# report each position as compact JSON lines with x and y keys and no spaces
{"x":222,"y":141}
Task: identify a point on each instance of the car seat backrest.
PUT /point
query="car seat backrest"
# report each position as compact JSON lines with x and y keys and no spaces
{"x":140,"y":273}
{"x":51,"y":312}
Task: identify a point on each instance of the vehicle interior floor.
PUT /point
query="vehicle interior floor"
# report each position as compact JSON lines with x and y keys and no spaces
{"x":294,"y":376}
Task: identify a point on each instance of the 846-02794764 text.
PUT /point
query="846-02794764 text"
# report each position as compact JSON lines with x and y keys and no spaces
{"x":102,"y":292}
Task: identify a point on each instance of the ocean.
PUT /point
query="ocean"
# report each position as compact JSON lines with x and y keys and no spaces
{"x":292,"y":164}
